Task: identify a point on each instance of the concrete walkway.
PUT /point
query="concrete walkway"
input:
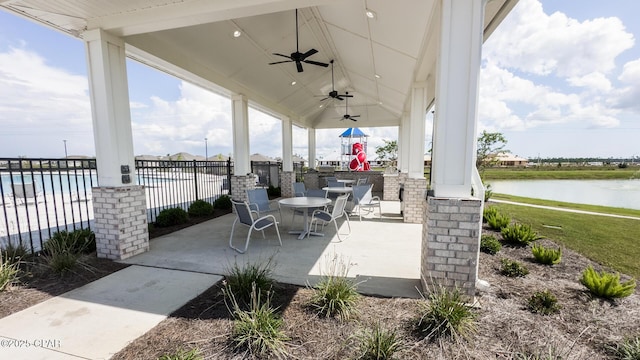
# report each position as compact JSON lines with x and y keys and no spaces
{"x":566,"y":210}
{"x":99,"y":319}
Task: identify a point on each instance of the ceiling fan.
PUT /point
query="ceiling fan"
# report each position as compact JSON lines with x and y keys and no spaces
{"x":297,"y":56}
{"x":346,"y":115}
{"x":333,"y":94}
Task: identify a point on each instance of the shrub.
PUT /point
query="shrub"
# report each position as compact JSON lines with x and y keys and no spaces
{"x":543,"y":302}
{"x":61,"y":256}
{"x":222,"y":202}
{"x":488,"y":192}
{"x":200,"y":208}
{"x":274,"y":191}
{"x":13,"y":253}
{"x":171,"y":217}
{"x":489,"y":244}
{"x":240,"y":281}
{"x":193,"y":354}
{"x":335,"y":295}
{"x":513,"y":268}
{"x":445,"y":314}
{"x":519,"y":234}
{"x":498,"y":221}
{"x":77,"y":241}
{"x":258,"y":329}
{"x":629,"y":349}
{"x":378,"y":344}
{"x":606,"y":285}
{"x":547,"y":256}
{"x":488,"y":212}
{"x":8,"y":273}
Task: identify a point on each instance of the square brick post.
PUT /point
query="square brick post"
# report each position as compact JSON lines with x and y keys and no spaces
{"x":120,"y":221}
{"x":240,"y":184}
{"x":451,"y":244}
{"x":286,"y":185}
{"x":413,"y":198}
{"x":391,"y":187}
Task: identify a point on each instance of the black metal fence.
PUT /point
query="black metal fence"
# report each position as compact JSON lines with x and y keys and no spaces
{"x":42,"y":196}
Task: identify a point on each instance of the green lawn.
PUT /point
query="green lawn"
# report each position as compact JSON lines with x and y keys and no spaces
{"x":551,"y":173}
{"x":609,"y":241}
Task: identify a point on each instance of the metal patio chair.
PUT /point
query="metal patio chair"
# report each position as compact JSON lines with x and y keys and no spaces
{"x":363,"y":200}
{"x":244,"y":216}
{"x":299,"y":189}
{"x":258,"y":200}
{"x":337,"y":212}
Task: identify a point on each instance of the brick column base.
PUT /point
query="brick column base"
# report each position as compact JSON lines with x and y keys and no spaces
{"x":451,"y":244}
{"x":415,"y":191}
{"x":286,"y":185}
{"x":240,"y":184}
{"x":120,"y":221}
{"x":391,"y":186}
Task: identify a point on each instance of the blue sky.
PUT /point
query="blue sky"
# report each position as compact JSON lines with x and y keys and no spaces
{"x":559,"y":78}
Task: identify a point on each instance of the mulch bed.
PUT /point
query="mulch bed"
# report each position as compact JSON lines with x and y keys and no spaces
{"x":584,"y":328}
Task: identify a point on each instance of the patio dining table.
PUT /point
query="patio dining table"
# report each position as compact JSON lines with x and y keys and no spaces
{"x":305,"y":202}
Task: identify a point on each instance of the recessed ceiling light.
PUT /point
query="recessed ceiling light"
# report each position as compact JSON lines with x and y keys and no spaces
{"x":379,"y":102}
{"x":377,"y":76}
{"x":293,"y":83}
{"x":237,"y":33}
{"x":370,"y":14}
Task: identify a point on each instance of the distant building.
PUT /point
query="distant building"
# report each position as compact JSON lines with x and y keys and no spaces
{"x":509,"y":160}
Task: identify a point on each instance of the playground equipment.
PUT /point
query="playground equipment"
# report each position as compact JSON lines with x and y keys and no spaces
{"x":359,"y":162}
{"x":356,"y":156}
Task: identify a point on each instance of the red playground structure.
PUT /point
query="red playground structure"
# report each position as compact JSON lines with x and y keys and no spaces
{"x":359,"y":162}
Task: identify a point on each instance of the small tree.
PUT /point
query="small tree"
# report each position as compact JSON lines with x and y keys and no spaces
{"x":388,"y":151}
{"x":489,"y":144}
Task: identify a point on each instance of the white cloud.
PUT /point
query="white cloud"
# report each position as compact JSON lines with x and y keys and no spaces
{"x":628,"y":97}
{"x":529,"y":40}
{"x":41,"y":105}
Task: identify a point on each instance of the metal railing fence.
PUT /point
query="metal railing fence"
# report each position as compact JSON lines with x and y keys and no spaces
{"x":42,"y":196}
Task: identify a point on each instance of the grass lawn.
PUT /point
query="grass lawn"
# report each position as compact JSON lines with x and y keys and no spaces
{"x":566,"y":173}
{"x":609,"y":241}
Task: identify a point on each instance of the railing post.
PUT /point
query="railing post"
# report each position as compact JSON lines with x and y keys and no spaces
{"x":229,"y":174}
{"x":195,"y":178}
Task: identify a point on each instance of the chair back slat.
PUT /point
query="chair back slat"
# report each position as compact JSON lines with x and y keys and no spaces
{"x":259,"y":197}
{"x":242,"y":212}
{"x":362,"y":194}
{"x":338,"y":208}
{"x":299,"y":189}
{"x":316,"y":193}
{"x":334,"y":184}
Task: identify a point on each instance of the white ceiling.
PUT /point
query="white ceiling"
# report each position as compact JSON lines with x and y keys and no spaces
{"x":194,"y":39}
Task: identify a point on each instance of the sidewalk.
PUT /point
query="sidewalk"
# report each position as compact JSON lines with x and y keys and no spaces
{"x":565,"y":210}
{"x":99,"y":319}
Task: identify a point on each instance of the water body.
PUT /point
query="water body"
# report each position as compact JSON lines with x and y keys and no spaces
{"x":613,"y":193}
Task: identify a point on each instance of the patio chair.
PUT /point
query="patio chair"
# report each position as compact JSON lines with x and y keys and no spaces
{"x":299,"y":189}
{"x":334,"y":183}
{"x":26,"y":193}
{"x":244,"y":216}
{"x":259,"y":202}
{"x":330,"y":178}
{"x":310,"y":193}
{"x":363,"y":200}
{"x":337,"y":212}
{"x":362,"y":181}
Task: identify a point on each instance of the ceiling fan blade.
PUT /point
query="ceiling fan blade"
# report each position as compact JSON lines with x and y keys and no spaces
{"x":309,"y":53}
{"x":354,"y":116}
{"x":352,"y":119}
{"x":278,"y":54}
{"x":338,"y":97}
{"x":299,"y":66}
{"x":316,"y":63}
{"x":324,"y":99}
{"x":281,"y":62}
{"x":344,"y":95}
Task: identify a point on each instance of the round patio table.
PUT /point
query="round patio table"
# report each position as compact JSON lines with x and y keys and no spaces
{"x":338,"y":189}
{"x":346,"y":181}
{"x":305,"y":202}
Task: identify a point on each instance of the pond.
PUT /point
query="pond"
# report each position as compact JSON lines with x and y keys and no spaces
{"x":614,"y":193}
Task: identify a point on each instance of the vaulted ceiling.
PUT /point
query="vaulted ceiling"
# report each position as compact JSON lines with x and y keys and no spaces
{"x":378,"y":56}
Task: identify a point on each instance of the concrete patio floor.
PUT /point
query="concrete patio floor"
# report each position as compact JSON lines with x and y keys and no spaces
{"x":384,"y":253}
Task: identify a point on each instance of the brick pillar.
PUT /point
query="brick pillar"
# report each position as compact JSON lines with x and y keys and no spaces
{"x":391,"y":186}
{"x":240,"y":184}
{"x":451,"y":244}
{"x":286,"y":185}
{"x":415,"y":191}
{"x":120,"y":221}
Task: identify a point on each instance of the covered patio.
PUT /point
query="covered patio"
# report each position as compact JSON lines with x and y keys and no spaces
{"x":397,"y":59}
{"x":384,"y":253}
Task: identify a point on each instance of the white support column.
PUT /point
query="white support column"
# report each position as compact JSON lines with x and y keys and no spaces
{"x":109,"y":94}
{"x":240,"y":122}
{"x":403,"y":143}
{"x":416,"y":132}
{"x":287,"y":144}
{"x":311,"y":133}
{"x":455,"y":123}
